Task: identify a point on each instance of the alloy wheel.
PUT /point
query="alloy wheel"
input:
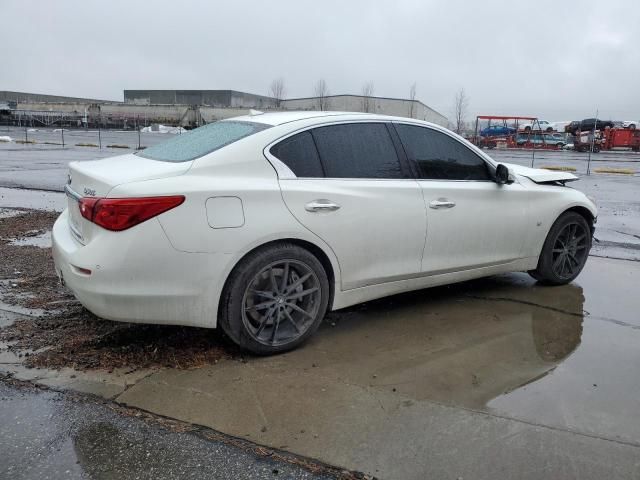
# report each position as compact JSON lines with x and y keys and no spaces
{"x":281,"y":302}
{"x":569,"y":250}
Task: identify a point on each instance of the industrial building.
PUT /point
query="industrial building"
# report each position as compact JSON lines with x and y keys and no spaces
{"x":25,"y":97}
{"x":189,"y":108}
{"x":210,"y":98}
{"x":357,"y":103}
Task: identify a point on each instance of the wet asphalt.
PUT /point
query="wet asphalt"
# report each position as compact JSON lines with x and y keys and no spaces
{"x":45,"y":435}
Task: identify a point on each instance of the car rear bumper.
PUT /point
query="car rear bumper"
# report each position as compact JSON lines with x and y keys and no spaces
{"x":137,"y":276}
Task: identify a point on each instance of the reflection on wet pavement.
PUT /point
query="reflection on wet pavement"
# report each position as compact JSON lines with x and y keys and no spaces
{"x":464,"y":344}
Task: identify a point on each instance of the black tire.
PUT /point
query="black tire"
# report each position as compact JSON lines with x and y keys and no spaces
{"x":241,"y":318}
{"x":527,"y":129}
{"x":632,"y":126}
{"x":549,"y":129}
{"x":565,"y":250}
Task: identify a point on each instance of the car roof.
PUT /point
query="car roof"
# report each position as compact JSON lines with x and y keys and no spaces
{"x":279,"y":118}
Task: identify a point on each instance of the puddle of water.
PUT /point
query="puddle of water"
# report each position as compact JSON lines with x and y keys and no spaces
{"x":42,"y":240}
{"x":441,"y":345}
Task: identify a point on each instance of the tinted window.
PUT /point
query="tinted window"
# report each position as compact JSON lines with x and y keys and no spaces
{"x":438,"y":156}
{"x":357,"y":150}
{"x":299,"y":154}
{"x":201,"y":141}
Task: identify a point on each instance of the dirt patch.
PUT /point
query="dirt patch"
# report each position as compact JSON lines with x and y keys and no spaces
{"x":79,"y":340}
{"x":69,"y":335}
{"x":32,"y":281}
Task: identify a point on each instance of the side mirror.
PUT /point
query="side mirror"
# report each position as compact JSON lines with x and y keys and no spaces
{"x":502,"y":174}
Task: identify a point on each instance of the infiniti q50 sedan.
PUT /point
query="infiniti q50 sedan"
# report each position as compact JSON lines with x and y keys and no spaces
{"x":261,"y":224}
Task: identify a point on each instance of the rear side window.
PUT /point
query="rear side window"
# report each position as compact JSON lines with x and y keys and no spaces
{"x":299,"y":153}
{"x":357,"y":150}
{"x":201,"y":141}
{"x":440,"y":157}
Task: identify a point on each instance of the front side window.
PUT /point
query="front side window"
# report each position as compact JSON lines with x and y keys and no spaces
{"x":299,"y":153}
{"x":357,"y":150}
{"x":440,"y":157}
{"x":201,"y":141}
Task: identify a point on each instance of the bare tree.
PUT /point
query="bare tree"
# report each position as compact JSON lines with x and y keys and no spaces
{"x":277,"y":90}
{"x":412,"y":100}
{"x":321,"y":92}
{"x":367,"y":93}
{"x":460,"y":108}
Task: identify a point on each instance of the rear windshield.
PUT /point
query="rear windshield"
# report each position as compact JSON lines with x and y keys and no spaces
{"x":199,"y":142}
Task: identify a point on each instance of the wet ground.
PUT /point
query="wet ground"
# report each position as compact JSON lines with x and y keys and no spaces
{"x":48,"y":435}
{"x":495,"y":378}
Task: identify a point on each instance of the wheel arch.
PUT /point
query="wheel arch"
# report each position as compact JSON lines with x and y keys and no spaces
{"x":328,"y":262}
{"x":583,"y":211}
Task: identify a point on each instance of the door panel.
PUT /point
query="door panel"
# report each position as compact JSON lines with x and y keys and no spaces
{"x":480,"y":223}
{"x":377,"y":230}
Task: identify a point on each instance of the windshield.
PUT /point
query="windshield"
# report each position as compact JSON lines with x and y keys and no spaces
{"x":201,"y":141}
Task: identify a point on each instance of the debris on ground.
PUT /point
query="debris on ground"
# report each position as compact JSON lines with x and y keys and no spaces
{"x":68,"y":335}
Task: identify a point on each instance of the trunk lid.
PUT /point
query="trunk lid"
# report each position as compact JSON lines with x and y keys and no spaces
{"x":97,"y":178}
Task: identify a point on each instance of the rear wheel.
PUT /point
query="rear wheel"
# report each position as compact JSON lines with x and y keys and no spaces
{"x":275,"y":299}
{"x":565,"y":250}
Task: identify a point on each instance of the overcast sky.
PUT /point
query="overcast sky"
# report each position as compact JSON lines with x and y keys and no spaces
{"x":556,"y":60}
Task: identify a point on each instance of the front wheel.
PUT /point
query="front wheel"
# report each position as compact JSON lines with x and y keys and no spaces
{"x":275,"y":299}
{"x":565,"y":250}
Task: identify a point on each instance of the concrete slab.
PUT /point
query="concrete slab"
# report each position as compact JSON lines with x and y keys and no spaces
{"x":96,"y":382}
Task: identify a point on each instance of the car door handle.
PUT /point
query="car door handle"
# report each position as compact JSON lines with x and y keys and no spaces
{"x":321,"y":205}
{"x":442,"y":203}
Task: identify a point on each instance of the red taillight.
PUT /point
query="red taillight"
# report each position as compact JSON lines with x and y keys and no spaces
{"x":121,"y":213}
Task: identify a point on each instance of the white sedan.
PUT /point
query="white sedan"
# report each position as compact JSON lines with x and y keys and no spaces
{"x":261,"y":224}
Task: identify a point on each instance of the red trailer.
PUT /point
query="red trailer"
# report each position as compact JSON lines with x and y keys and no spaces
{"x":607,"y":139}
{"x":621,"y":137}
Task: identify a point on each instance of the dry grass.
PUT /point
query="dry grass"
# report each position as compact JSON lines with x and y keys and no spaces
{"x":86,"y":145}
{"x":117,"y":146}
{"x":559,"y":168}
{"x":620,"y":171}
{"x":25,"y":141}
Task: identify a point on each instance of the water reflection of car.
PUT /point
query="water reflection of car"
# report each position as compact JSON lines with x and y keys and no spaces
{"x":497,"y":131}
{"x":556,"y":140}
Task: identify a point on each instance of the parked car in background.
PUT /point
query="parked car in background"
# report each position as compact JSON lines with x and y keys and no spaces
{"x":556,"y":140}
{"x":631,"y":124}
{"x":261,"y":224}
{"x":497,"y":131}
{"x":538,"y":126}
{"x":588,"y":124}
